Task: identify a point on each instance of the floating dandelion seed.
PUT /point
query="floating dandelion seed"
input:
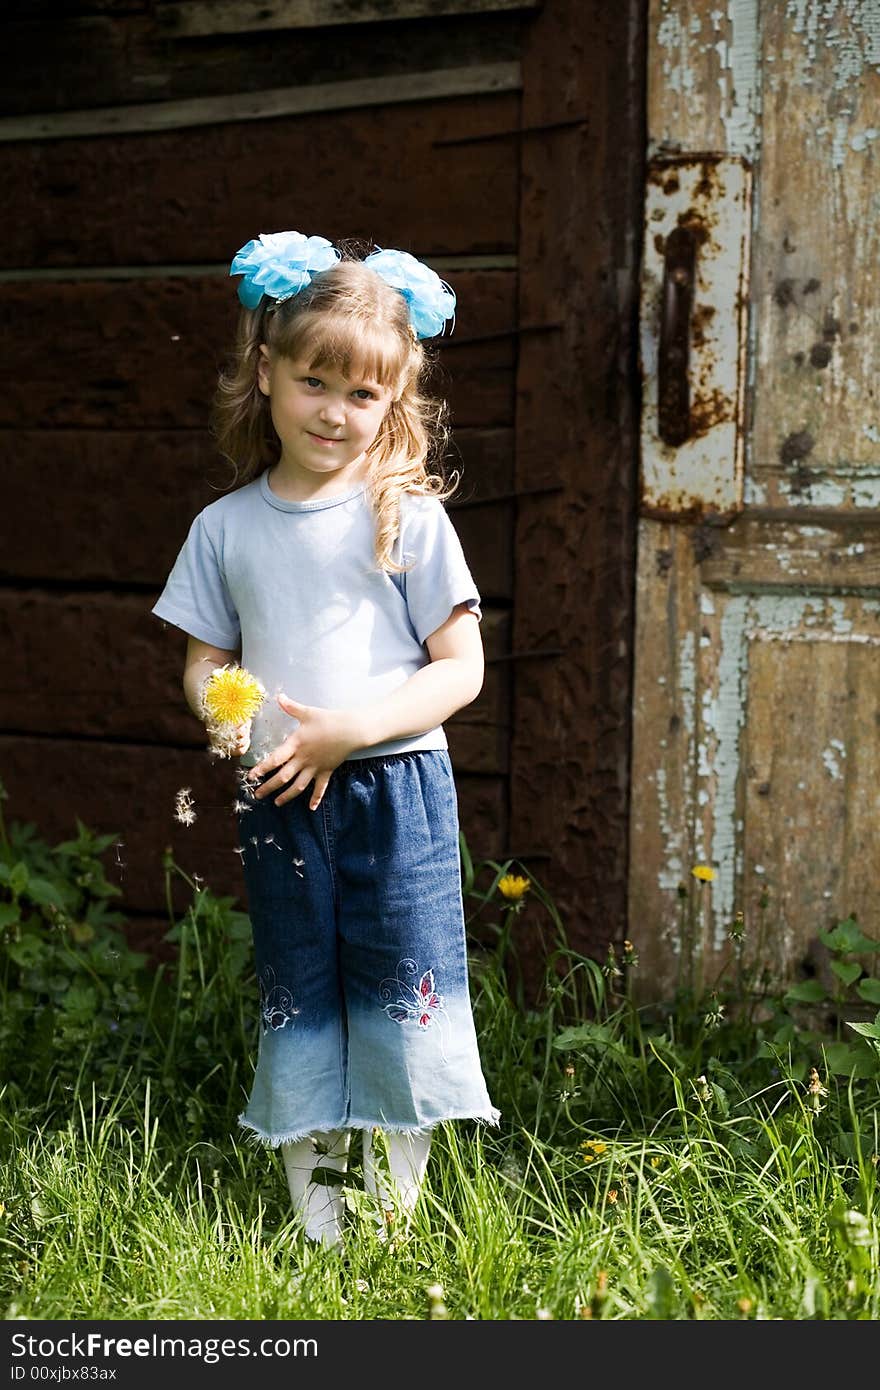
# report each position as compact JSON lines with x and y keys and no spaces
{"x":239,"y":807}
{"x":245,"y":785}
{"x":184,"y":807}
{"x":237,"y":849}
{"x":298,"y":865}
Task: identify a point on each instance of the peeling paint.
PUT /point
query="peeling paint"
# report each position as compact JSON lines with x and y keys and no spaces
{"x":672,"y":872}
{"x":851,"y":30}
{"x":813,"y":19}
{"x":831,"y":757}
{"x":747,"y":618}
{"x":687,"y":682}
{"x":739,"y":80}
{"x":860,"y":142}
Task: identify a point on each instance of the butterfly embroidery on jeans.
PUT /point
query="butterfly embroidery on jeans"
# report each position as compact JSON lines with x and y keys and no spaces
{"x":276,"y":1002}
{"x":415,"y":1002}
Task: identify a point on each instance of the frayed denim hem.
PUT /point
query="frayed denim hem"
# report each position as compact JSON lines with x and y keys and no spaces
{"x":274,"y":1141}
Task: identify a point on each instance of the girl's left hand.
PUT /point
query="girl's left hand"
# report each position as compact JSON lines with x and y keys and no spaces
{"x":323,"y":739}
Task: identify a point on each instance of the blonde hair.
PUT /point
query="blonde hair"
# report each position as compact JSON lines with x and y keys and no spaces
{"x":348,"y":319}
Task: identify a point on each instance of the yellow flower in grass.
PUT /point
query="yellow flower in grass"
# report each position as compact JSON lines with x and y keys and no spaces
{"x":231,"y":696}
{"x":514,"y":887}
{"x":592,"y":1149}
{"x":703,"y":872}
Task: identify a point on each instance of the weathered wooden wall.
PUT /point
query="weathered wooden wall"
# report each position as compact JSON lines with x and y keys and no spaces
{"x":140,"y":145}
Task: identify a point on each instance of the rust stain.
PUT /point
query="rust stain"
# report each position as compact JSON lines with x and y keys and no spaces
{"x":702,"y":316}
{"x":716,"y":408}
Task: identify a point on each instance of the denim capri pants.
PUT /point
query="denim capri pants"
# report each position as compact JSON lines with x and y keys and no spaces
{"x":360,"y":954}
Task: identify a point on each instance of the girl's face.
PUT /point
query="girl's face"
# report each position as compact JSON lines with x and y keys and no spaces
{"x":325,"y":422}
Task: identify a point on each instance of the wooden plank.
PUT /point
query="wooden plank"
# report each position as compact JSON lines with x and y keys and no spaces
{"x":663,"y":813}
{"x":65,"y":63}
{"x":201,"y":17}
{"x":129,"y":790}
{"x":487,"y":534}
{"x":482,"y":810}
{"x":101,"y":666}
{"x":703,"y":87}
{"x":577,"y":426}
{"x":444,"y":266}
{"x":822,"y":553}
{"x":266,"y":104}
{"x":816,"y":430}
{"x":93,"y":203}
{"x":145,"y":355}
{"x":127,"y":495}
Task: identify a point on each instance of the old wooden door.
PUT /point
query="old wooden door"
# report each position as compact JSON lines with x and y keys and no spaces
{"x":757,"y":680}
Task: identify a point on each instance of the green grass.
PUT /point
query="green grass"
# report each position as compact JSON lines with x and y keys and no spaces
{"x":650,"y":1163}
{"x":110,"y":1213}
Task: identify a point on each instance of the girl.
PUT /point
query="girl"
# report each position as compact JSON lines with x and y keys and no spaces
{"x":336,"y":578}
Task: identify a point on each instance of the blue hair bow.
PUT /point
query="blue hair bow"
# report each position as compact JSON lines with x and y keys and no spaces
{"x":431,"y":301}
{"x":280,"y":264}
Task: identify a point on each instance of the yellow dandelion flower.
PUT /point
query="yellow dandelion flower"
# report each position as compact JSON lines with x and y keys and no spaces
{"x":593,"y":1149}
{"x":513,"y":886}
{"x":703,"y":872}
{"x":231,"y":696}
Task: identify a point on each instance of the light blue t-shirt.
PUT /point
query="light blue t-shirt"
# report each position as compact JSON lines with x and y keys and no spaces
{"x":295,"y":586}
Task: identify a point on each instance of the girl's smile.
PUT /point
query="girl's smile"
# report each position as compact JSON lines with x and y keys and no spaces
{"x":325,"y":422}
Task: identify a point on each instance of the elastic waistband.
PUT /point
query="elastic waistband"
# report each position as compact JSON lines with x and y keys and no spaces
{"x":388,"y":760}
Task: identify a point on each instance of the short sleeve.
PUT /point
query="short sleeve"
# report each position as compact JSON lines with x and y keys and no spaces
{"x":438,"y":578}
{"x":195,"y":597}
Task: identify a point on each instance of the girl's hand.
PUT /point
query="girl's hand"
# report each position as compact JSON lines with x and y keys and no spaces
{"x":229,"y":743}
{"x":323,"y":739}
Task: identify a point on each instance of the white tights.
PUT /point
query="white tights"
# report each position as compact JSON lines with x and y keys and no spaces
{"x":320,"y":1205}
